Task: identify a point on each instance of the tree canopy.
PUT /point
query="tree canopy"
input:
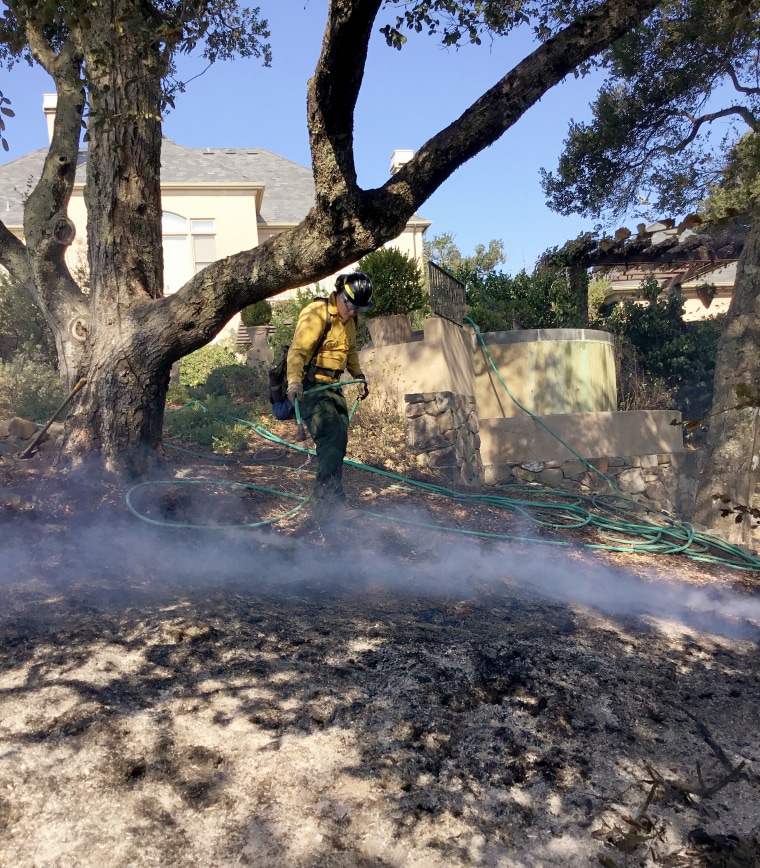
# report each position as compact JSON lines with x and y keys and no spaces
{"x":682,"y":87}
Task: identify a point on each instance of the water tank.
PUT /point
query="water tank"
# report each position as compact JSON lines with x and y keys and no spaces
{"x":548,"y":371}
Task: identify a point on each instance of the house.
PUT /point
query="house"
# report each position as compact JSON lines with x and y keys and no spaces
{"x":216,"y":202}
{"x":695,"y":257}
{"x":704,"y":294}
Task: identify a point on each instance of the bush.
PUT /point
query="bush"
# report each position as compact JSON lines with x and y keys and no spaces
{"x":177,"y":394}
{"x":378,"y":436}
{"x":214,"y":428}
{"x":23,"y":330}
{"x":237,"y":382}
{"x":256,"y":314}
{"x":399,"y":286}
{"x":669,"y":355}
{"x":30,"y":388}
{"x":285,"y":315}
{"x":195,"y":368}
{"x":495,"y":301}
{"x":638,"y":388}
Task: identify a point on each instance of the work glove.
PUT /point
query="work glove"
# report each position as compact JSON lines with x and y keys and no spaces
{"x":363,"y":388}
{"x":295,"y":392}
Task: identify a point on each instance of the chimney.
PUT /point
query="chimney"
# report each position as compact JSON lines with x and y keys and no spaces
{"x":398,"y":158}
{"x":49,"y":103}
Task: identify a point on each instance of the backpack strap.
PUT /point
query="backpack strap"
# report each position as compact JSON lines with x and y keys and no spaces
{"x":312,"y":368}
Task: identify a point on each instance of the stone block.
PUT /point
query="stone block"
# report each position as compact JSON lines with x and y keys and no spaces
{"x":573,"y":469}
{"x":443,"y":401}
{"x":551,"y":477}
{"x":21,"y":428}
{"x":524,"y":475}
{"x":445,"y":422}
{"x":414,"y":410}
{"x":656,"y":491}
{"x":631,"y":481}
{"x":443,"y":458}
{"x":423,"y":434}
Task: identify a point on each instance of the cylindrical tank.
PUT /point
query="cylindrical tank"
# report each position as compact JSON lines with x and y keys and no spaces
{"x":548,"y":371}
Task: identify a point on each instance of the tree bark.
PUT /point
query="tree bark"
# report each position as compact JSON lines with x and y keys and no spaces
{"x":732,"y":457}
{"x":578,"y":279}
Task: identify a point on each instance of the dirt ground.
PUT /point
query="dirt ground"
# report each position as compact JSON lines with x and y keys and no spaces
{"x":371,"y":694}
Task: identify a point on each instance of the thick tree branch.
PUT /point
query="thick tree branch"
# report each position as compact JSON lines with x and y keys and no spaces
{"x":53,"y":191}
{"x":13,"y":255}
{"x":500,"y":107}
{"x":697,"y":123}
{"x":333,"y":91}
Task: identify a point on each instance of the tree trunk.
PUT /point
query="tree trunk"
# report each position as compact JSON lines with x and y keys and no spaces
{"x":119,"y":414}
{"x":117,"y":418}
{"x":732,"y":457}
{"x":579,"y":289}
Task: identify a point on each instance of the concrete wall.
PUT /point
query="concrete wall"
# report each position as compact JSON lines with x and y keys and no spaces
{"x":439,"y":361}
{"x":504,"y":442}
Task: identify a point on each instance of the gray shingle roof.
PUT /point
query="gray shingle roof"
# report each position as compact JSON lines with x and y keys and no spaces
{"x":288,"y":193}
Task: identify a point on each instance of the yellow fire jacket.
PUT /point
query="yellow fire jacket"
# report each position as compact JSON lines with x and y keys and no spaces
{"x":338,"y":351}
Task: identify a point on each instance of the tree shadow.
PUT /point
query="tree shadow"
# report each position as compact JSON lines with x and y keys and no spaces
{"x":482,"y":718}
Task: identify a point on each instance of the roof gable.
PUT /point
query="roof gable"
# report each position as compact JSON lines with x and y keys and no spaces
{"x":288,"y":187}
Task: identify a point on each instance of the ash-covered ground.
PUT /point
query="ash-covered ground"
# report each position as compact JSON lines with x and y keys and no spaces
{"x":376,"y":694}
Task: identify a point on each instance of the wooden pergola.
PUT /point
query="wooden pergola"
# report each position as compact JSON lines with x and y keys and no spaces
{"x":677,"y":253}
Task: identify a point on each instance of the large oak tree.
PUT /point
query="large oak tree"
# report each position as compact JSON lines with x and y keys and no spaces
{"x":111,"y":61}
{"x":693,"y":64}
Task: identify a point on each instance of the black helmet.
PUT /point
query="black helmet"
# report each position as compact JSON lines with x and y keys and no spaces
{"x":356,"y":291}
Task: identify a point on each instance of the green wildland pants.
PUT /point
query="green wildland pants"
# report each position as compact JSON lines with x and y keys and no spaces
{"x":325,"y":414}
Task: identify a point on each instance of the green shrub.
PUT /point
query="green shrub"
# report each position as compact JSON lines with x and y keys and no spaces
{"x":399,"y":285}
{"x":213,"y":425}
{"x":256,"y":314}
{"x":195,"y":368}
{"x":672,"y":355}
{"x":23,"y":330}
{"x":237,"y":382}
{"x":30,"y":388}
{"x":495,"y":301}
{"x":177,"y":394}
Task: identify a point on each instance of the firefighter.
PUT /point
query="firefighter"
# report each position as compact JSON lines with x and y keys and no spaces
{"x":323,"y":347}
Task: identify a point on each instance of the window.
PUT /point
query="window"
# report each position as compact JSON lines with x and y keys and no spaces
{"x":189,"y":246}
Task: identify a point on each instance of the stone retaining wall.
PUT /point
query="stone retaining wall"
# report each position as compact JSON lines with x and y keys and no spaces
{"x":659,"y":482}
{"x":442,"y":432}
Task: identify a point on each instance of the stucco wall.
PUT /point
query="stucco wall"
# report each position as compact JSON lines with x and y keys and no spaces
{"x":639,"y":432}
{"x":441,"y":361}
{"x":448,"y":359}
{"x":548,"y":371}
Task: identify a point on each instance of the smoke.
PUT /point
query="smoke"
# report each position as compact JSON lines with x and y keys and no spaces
{"x":125,"y":561}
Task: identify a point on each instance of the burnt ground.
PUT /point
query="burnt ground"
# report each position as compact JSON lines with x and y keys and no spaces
{"x":376,"y":694}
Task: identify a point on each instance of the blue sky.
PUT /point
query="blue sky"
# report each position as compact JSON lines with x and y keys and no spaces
{"x":407,"y":96}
